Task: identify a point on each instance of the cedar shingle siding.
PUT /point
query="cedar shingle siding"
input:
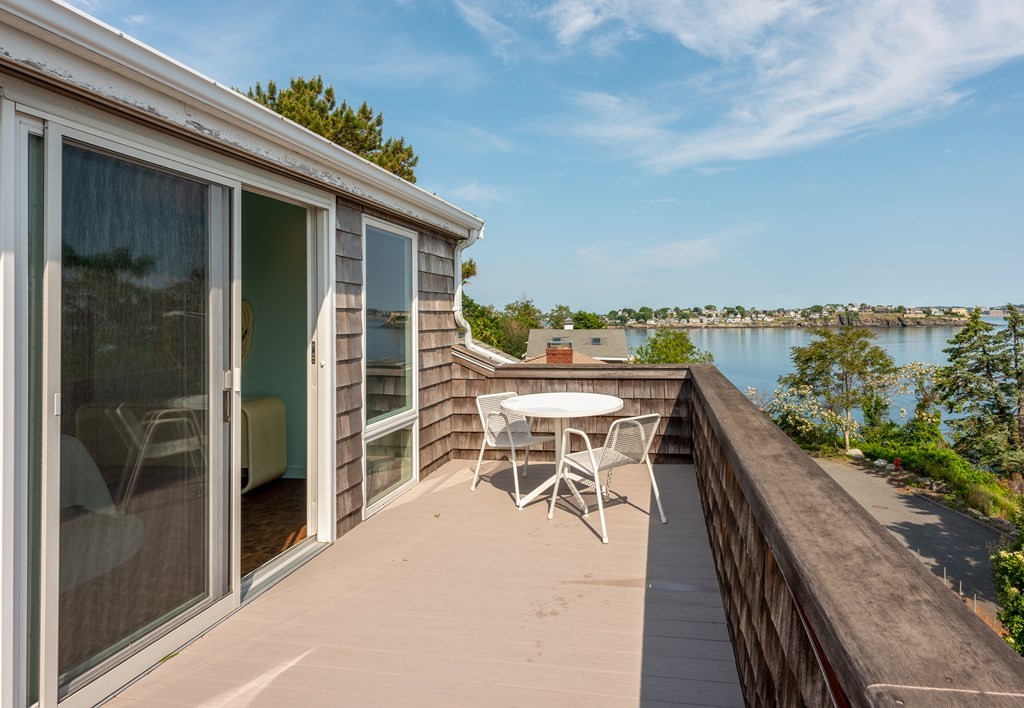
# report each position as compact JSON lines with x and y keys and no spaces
{"x":437,"y":334}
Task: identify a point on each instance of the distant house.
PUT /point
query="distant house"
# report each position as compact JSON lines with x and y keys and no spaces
{"x":608,"y":345}
{"x":574,"y":357}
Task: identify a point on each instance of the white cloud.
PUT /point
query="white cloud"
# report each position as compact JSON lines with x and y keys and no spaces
{"x":479,"y":140}
{"x":476,"y":193}
{"x":405,"y":63}
{"x":90,"y":6}
{"x":622,"y":123}
{"x":797,"y":73}
{"x":645,"y":204}
{"x":503,"y":39}
{"x":674,"y":255}
{"x":713,"y":170}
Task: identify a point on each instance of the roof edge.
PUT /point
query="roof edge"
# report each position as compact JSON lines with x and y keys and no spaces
{"x":90,"y":39}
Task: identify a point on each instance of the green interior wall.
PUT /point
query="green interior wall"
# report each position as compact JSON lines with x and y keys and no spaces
{"x":274,"y":283}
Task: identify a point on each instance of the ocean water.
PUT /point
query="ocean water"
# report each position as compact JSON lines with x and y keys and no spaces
{"x":755,"y":357}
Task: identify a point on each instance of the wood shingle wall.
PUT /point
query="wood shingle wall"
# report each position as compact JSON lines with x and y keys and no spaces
{"x":349,"y":366}
{"x":825,"y":606}
{"x":437,"y":334}
{"x":663,"y":389}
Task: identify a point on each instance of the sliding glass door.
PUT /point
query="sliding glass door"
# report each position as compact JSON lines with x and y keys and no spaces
{"x":137,"y":347}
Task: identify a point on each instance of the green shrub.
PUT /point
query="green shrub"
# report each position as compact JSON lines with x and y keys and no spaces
{"x":984,"y":500}
{"x":977,"y":488}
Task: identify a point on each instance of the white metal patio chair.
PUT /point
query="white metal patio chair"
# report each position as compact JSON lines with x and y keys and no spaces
{"x":628,"y":443}
{"x":505,"y":431}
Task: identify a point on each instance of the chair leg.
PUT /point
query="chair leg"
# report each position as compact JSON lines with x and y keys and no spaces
{"x":515,"y":476}
{"x":526,"y":463}
{"x":584,"y":511}
{"x":600,"y":507}
{"x":657,"y":494}
{"x":554,"y":491}
{"x":476,"y":475}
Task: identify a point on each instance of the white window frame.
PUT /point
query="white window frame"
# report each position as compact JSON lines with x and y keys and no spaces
{"x":406,"y":419}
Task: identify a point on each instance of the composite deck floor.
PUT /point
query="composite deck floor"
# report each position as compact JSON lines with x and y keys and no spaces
{"x":451,"y":598}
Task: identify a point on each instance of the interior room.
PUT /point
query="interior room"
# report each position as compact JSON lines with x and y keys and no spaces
{"x":275,"y":332}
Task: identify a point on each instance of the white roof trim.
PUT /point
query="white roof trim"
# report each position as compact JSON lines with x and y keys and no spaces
{"x":75,"y":33}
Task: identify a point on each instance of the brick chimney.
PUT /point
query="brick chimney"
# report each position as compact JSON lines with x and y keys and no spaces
{"x":558,"y":354}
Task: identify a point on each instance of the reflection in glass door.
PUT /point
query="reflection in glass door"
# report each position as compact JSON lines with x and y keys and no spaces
{"x":141,"y":348}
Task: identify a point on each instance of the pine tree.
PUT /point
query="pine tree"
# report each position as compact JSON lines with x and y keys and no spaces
{"x":312,"y":105}
{"x":973,"y":386}
{"x":1011,"y":340}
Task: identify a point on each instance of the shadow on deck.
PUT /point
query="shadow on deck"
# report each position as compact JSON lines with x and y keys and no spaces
{"x":452,"y":598}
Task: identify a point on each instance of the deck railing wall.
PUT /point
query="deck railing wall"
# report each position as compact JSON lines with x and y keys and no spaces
{"x":824,"y":605}
{"x":663,"y":389}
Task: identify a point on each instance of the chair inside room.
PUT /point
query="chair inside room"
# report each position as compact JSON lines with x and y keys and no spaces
{"x":628,"y":443}
{"x":505,"y":430}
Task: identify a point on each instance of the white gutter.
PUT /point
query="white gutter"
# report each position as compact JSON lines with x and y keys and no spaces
{"x":460,"y":318}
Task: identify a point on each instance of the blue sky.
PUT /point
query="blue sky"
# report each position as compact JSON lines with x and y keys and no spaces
{"x":671,"y":152}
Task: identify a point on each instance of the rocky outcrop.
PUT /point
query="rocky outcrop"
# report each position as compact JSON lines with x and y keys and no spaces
{"x":877,"y":319}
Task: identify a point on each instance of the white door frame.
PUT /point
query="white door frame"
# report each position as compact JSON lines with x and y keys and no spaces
{"x":320,"y":378}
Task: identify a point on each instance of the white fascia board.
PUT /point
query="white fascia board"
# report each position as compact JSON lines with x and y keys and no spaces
{"x":62,"y":44}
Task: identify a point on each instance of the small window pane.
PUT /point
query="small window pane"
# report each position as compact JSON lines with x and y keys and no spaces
{"x":388,"y":464}
{"x":389,"y":324}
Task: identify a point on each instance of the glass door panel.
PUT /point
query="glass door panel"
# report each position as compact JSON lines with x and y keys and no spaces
{"x":137,"y":426}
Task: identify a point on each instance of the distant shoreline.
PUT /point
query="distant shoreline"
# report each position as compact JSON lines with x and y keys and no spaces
{"x":874,"y":322}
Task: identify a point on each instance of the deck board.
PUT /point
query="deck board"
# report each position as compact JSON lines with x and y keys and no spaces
{"x":458,"y":599}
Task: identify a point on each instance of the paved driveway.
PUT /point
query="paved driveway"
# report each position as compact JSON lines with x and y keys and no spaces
{"x":943,"y":538}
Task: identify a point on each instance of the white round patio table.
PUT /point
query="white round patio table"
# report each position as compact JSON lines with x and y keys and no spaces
{"x":559,"y":406}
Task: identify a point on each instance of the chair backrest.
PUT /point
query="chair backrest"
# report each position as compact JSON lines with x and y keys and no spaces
{"x":127,"y":426}
{"x":629,"y":439}
{"x":493,"y":425}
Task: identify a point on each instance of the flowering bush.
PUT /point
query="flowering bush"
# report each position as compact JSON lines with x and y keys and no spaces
{"x":1008,"y":575}
{"x":803,"y":416}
